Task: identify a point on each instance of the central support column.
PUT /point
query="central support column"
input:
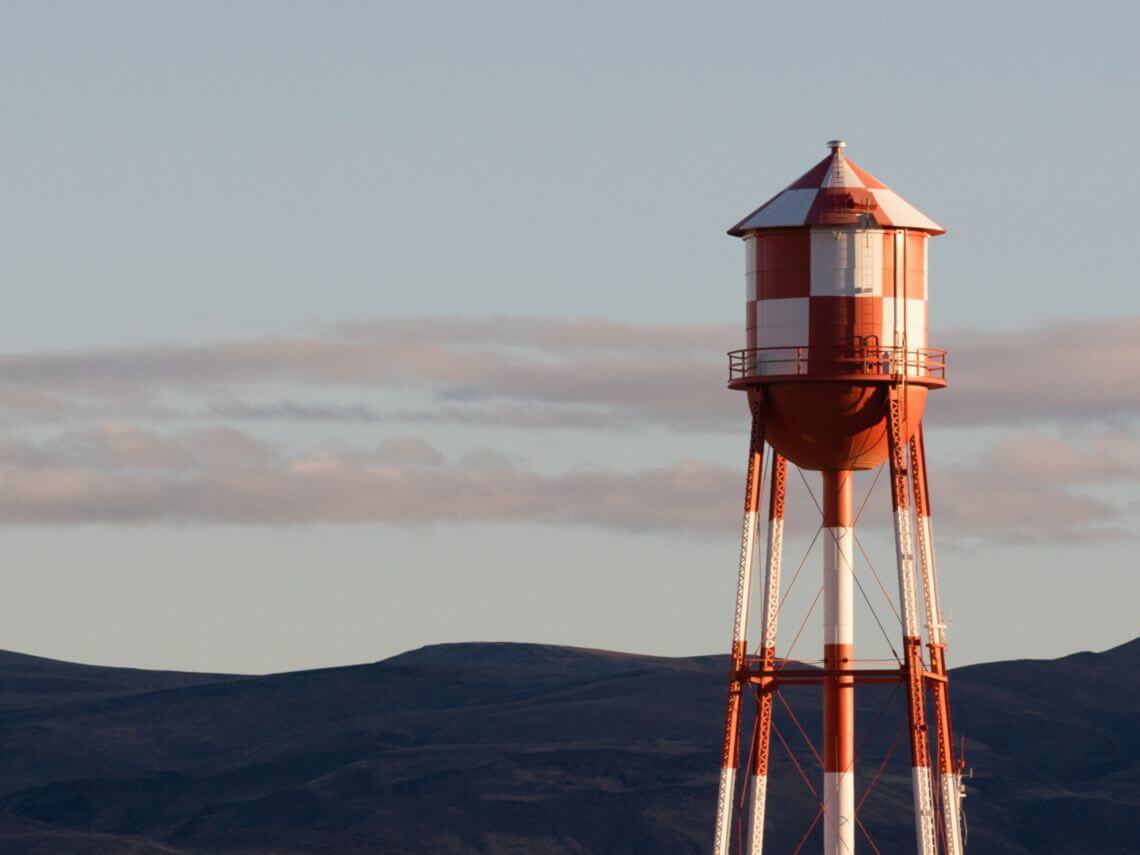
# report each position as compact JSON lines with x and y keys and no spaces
{"x":838,"y":653}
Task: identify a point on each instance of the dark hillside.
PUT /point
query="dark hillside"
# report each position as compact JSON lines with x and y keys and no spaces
{"x":515,"y":748}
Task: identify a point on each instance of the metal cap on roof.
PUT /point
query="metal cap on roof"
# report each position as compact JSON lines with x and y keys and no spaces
{"x":836,"y":192}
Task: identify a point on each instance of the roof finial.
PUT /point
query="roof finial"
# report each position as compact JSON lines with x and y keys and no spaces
{"x":836,"y":145}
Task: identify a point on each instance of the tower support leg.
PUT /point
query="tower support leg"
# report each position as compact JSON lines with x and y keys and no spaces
{"x":736,"y":675}
{"x":838,"y":654}
{"x":770,"y":592}
{"x":948,"y":775}
{"x":925,"y":831}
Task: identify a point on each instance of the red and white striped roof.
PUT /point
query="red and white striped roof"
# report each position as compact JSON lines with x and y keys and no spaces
{"x":836,"y":192}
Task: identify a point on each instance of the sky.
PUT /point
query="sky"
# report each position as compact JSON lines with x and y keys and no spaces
{"x":338,"y":329}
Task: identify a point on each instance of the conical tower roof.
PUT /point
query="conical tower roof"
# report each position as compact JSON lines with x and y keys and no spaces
{"x":836,"y":192}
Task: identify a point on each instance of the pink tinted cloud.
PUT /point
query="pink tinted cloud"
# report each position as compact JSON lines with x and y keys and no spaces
{"x":536,"y":374}
{"x":128,"y":475}
{"x":1075,"y":371}
{"x":541,"y":373}
{"x":1035,"y":486}
{"x":622,"y":373}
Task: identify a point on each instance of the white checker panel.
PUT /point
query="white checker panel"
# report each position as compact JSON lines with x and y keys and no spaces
{"x":911,"y":319}
{"x":790,"y":208}
{"x":782,"y":323}
{"x":846,"y":263}
{"x":901,"y":213}
{"x":841,"y":175}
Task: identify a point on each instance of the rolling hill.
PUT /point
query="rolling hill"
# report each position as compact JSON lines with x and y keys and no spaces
{"x":518,"y":748}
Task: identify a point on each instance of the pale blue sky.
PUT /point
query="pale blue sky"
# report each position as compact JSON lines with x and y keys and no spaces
{"x":183,"y":174}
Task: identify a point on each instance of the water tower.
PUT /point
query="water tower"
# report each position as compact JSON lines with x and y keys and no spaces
{"x":837,"y":371}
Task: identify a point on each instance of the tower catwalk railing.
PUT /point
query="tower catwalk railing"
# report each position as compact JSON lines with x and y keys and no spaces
{"x":863,"y":361}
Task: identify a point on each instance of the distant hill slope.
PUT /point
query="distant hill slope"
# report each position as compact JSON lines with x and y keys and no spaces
{"x":517,"y":748}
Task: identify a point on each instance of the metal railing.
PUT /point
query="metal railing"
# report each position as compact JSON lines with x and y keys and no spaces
{"x":837,"y":360}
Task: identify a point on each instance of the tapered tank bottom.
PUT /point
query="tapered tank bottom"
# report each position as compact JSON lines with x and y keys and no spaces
{"x":833,"y":425}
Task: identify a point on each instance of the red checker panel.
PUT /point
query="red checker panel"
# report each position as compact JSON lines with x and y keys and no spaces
{"x":869,"y":180}
{"x":841,"y":205}
{"x":784,"y":264}
{"x":831,"y":321}
{"x":843,"y":321}
{"x":784,"y":284}
{"x":868,"y":320}
{"x":915,"y":265}
{"x":814,"y":176}
{"x":911,"y":283}
{"x":784,"y":250}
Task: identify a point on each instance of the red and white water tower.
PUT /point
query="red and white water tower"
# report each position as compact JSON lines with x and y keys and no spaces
{"x":837,"y":371}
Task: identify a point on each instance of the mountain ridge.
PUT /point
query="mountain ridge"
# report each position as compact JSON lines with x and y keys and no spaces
{"x":508,"y":747}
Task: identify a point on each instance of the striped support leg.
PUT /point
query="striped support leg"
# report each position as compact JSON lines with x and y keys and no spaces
{"x":925,"y":830}
{"x":949,"y":781}
{"x":730,"y":752}
{"x":838,"y":654}
{"x":768,"y":619}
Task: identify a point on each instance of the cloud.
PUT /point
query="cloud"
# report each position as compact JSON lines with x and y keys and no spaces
{"x":128,"y":475}
{"x":535,"y":373}
{"x":1081,"y":457}
{"x":81,"y":443}
{"x":496,"y":371}
{"x":409,"y":450}
{"x":1027,"y":488}
{"x":1072,"y":371}
{"x":1036,"y":487}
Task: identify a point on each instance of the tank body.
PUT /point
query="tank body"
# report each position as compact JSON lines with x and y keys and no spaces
{"x":836,"y":297}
